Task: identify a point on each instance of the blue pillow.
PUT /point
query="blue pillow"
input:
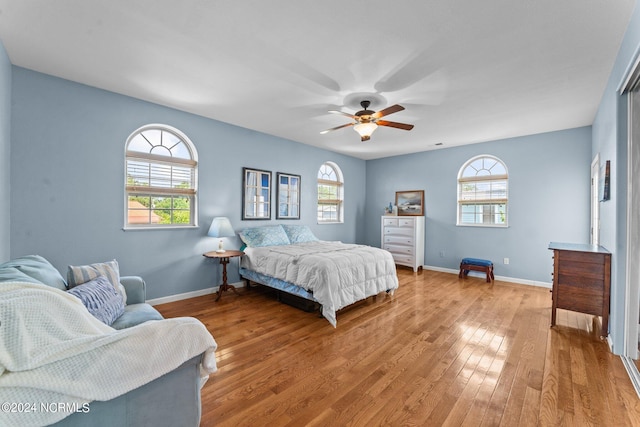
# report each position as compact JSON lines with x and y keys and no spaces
{"x":271,"y":235}
{"x":39,"y":269}
{"x":299,"y":233}
{"x":102,"y":300}
{"x":12,"y":274}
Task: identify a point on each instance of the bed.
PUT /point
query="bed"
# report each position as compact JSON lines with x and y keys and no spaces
{"x":291,"y":259}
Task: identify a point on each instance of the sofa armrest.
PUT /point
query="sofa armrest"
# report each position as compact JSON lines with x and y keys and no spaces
{"x":136,"y":289}
{"x":174,"y":399}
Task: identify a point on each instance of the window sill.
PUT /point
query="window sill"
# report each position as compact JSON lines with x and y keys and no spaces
{"x":484,"y":225}
{"x":168,"y":227}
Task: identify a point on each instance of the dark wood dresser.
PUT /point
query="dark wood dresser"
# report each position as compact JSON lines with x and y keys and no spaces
{"x":581,"y":280}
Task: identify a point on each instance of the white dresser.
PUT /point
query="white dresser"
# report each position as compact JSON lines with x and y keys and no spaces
{"x":403,"y":236}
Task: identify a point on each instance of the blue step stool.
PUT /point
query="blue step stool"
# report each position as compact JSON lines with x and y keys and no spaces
{"x":476,"y":264}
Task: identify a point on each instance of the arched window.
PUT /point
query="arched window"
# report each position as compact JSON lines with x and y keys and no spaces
{"x":330,"y":193}
{"x":483,"y":192}
{"x":161,"y":178}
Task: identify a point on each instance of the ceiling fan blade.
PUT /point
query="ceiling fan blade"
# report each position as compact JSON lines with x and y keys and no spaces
{"x":344,"y":114}
{"x":388,"y":110}
{"x":336,"y":128}
{"x":397,"y":125}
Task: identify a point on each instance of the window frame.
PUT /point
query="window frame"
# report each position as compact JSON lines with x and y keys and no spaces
{"x":501,"y":180}
{"x":160,"y":162}
{"x":257,"y":188}
{"x":338,"y":202}
{"x":288,"y":196}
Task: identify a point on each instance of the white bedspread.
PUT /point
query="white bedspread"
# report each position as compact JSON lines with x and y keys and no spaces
{"x":338,"y":274}
{"x":53,"y":351}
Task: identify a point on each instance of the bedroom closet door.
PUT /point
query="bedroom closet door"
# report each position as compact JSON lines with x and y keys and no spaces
{"x":631,"y":354}
{"x":595,"y":201}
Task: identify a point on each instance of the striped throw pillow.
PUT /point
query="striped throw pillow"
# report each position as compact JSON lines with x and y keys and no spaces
{"x":79,"y":274}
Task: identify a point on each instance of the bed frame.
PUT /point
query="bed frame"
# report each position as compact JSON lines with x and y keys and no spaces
{"x":286,"y":292}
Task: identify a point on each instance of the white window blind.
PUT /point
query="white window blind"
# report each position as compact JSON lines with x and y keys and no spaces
{"x":330,"y":193}
{"x":161,"y":179}
{"x":483,"y":192}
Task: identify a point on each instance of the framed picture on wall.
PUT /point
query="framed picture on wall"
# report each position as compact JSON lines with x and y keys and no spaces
{"x":256,"y":194}
{"x":288,"y":196}
{"x":605,"y":182}
{"x":410,"y":203}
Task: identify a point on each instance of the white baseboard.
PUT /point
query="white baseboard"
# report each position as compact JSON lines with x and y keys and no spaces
{"x":501,"y":278}
{"x":187,"y":295}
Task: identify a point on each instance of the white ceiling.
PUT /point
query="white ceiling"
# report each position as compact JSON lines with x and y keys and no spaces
{"x":466,"y":71}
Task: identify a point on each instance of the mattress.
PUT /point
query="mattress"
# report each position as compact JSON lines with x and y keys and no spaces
{"x":336,"y":274}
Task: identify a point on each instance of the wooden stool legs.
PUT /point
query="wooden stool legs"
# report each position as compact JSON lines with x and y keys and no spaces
{"x":488,"y":269}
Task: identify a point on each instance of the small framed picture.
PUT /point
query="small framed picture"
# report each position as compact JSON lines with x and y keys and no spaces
{"x":256,"y":194}
{"x":410,"y":203}
{"x":605,"y":182}
{"x":288,"y":196}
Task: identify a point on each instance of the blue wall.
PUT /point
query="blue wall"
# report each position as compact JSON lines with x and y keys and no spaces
{"x":610,"y":141}
{"x":67,"y":173}
{"x":549,"y":181}
{"x":5,"y":143}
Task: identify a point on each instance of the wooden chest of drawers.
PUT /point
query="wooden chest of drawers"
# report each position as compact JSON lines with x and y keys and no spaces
{"x":403,"y":236}
{"x":581,"y":280}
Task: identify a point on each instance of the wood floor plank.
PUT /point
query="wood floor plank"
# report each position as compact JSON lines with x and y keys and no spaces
{"x":441,"y":351}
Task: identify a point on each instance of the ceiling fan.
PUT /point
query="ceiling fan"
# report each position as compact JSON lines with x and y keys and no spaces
{"x":366,"y":121}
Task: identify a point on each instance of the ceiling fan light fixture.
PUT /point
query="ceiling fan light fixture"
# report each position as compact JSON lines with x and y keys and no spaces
{"x":365,"y":130}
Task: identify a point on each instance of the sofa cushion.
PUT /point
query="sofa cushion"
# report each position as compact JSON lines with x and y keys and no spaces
{"x":79,"y":274}
{"x":37,"y":268}
{"x":135,"y":314}
{"x":102,"y":300}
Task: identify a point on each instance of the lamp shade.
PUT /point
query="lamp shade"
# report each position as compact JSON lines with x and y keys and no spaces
{"x":365,"y":129}
{"x":221,"y":227}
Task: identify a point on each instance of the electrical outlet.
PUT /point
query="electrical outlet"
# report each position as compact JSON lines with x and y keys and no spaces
{"x":506,"y":261}
{"x":441,"y":254}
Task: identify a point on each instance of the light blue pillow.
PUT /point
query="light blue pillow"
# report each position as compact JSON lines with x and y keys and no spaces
{"x":299,"y":233}
{"x":102,"y":300}
{"x":39,"y":269}
{"x":12,"y":274}
{"x":270,"y":235}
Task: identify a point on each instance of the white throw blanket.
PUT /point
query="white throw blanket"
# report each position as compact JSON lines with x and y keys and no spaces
{"x":52,"y":350}
{"x":338,"y":274}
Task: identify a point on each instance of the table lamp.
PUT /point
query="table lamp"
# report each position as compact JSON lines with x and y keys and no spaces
{"x":221,"y":228}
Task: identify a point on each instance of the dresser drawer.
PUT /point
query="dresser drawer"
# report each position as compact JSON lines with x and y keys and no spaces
{"x":403,"y":259}
{"x":391,"y":222}
{"x":398,"y":231}
{"x":406,"y":222}
{"x":395,"y":249}
{"x":399,"y":240}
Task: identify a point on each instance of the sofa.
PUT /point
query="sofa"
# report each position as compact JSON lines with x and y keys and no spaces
{"x":166,"y":399}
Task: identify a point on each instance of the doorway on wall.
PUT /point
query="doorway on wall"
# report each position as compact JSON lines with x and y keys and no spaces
{"x":595,"y":201}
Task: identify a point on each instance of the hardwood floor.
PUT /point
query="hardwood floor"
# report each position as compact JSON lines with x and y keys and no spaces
{"x":441,"y":351}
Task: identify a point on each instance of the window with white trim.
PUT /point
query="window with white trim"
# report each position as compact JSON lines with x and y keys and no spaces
{"x":161,"y":166}
{"x":330,"y":193}
{"x":483,"y":192}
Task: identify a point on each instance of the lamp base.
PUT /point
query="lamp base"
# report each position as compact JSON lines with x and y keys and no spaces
{"x":220,"y":251}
